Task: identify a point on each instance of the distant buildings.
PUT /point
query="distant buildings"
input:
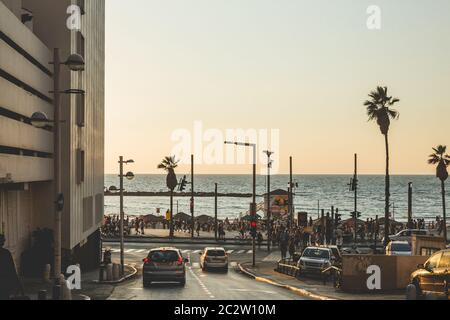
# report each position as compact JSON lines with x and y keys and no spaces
{"x":29,"y":30}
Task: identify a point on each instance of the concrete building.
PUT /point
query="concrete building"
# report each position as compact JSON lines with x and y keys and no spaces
{"x":29,"y":30}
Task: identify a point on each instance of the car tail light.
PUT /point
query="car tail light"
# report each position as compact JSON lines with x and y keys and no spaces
{"x":180,"y":261}
{"x":147,"y":261}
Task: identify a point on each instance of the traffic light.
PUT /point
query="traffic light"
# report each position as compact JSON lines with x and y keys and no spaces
{"x":358,"y":215}
{"x":253,"y":227}
{"x":183,"y":184}
{"x":337,"y":218}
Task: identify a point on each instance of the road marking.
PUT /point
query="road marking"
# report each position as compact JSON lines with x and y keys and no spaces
{"x":248,"y":290}
{"x":196,"y":251}
{"x":250,"y":251}
{"x":202,"y":285}
{"x":129,"y":250}
{"x":240,"y":252}
{"x":140,"y":250}
{"x":185,"y":251}
{"x":230,"y":251}
{"x":233,"y":264}
{"x":115,"y":250}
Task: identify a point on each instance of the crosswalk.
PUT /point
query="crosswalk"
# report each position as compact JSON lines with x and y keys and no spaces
{"x":185,"y":251}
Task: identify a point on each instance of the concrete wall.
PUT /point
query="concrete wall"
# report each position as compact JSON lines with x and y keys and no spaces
{"x":395,"y":271}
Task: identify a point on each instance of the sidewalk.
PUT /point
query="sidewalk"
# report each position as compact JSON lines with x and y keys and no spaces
{"x":309,"y":288}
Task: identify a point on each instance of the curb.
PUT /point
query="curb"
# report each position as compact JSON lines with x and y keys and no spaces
{"x":298,"y":291}
{"x":127,"y":277}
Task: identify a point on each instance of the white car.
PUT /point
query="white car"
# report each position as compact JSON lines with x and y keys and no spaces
{"x":214,"y":258}
{"x":398,"y":248}
{"x":406,"y":235}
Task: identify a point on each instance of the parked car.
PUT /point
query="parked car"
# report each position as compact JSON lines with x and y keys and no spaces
{"x":398,"y":248}
{"x":406,"y":235}
{"x":164,"y":265}
{"x":432,"y":278}
{"x":214,"y":258}
{"x":316,"y":259}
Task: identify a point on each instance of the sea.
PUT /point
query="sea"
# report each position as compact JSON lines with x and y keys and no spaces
{"x":314,"y":192}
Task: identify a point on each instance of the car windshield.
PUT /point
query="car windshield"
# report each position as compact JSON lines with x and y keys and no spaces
{"x":163,"y":256}
{"x":215,"y":253}
{"x":403,"y":247}
{"x":316,"y":254}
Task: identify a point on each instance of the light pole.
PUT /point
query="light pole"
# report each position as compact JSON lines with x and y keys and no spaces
{"x":253,"y":204}
{"x":269,"y":226}
{"x":75,"y":63}
{"x":129,"y":176}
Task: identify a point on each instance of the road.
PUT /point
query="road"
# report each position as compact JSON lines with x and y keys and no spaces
{"x":200,"y":285}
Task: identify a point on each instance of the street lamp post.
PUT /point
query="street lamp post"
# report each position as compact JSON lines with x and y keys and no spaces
{"x":129,"y":176}
{"x":269,"y":226}
{"x":253,"y":205}
{"x":75,"y":63}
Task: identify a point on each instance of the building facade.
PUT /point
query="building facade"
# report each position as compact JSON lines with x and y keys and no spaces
{"x":29,"y":30}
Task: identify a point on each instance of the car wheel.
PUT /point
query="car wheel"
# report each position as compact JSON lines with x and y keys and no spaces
{"x":413,"y":291}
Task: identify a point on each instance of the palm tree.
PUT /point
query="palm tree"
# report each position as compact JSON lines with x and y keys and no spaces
{"x":379,"y":109}
{"x":169,"y":164}
{"x":442,"y":159}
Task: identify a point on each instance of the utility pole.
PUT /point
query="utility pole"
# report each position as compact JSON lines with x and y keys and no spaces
{"x":122,"y":262}
{"x":355,"y":183}
{"x":410,"y":191}
{"x":215,"y":212}
{"x":57,"y":161}
{"x":269,"y":214}
{"x":291,"y":205}
{"x":192,"y":197}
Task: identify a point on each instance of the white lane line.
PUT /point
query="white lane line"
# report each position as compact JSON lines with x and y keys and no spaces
{"x":140,"y":250}
{"x":240,"y":252}
{"x":115,"y":250}
{"x":250,"y":251}
{"x":129,"y":250}
{"x":196,"y":251}
{"x":202,"y":285}
{"x":230,"y":251}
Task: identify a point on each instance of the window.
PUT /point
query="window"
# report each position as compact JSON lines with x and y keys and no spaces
{"x":99,"y":207}
{"x":88,"y":207}
{"x":80,"y":44}
{"x":80,"y":166}
{"x":80,"y":109}
{"x":82,"y":5}
{"x":433,"y":261}
{"x":163,"y":256}
{"x":445,"y":260}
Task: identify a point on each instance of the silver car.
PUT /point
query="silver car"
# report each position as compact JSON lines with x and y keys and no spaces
{"x":214,"y":258}
{"x":406,"y":235}
{"x":164,"y":265}
{"x":315,"y":260}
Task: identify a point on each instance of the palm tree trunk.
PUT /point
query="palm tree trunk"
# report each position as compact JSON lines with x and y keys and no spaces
{"x":387,"y":194}
{"x":444,"y":210}
{"x":171,"y":233}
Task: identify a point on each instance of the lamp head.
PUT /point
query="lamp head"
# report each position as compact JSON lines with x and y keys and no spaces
{"x":75,"y":62}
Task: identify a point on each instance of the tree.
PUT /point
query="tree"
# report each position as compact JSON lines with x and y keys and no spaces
{"x":169,"y":164}
{"x":442,"y":159}
{"x":379,"y":108}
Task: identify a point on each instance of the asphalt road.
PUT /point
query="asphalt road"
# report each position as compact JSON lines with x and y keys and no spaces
{"x":199,"y":285}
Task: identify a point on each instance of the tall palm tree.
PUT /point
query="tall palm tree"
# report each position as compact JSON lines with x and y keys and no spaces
{"x":169,"y":164}
{"x":442,"y":159}
{"x":379,"y":108}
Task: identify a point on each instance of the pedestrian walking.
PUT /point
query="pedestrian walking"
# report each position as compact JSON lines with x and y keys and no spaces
{"x":9,"y":281}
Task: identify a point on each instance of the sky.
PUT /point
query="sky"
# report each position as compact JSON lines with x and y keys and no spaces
{"x":301,"y":69}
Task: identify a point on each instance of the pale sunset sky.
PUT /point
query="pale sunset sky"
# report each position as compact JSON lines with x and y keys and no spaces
{"x":304,"y":67}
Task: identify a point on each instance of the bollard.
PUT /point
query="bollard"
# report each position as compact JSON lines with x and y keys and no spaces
{"x":56,"y":292}
{"x":42,"y":295}
{"x":109,"y":272}
{"x":116,"y":271}
{"x":47,"y":271}
{"x":101,"y":276}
